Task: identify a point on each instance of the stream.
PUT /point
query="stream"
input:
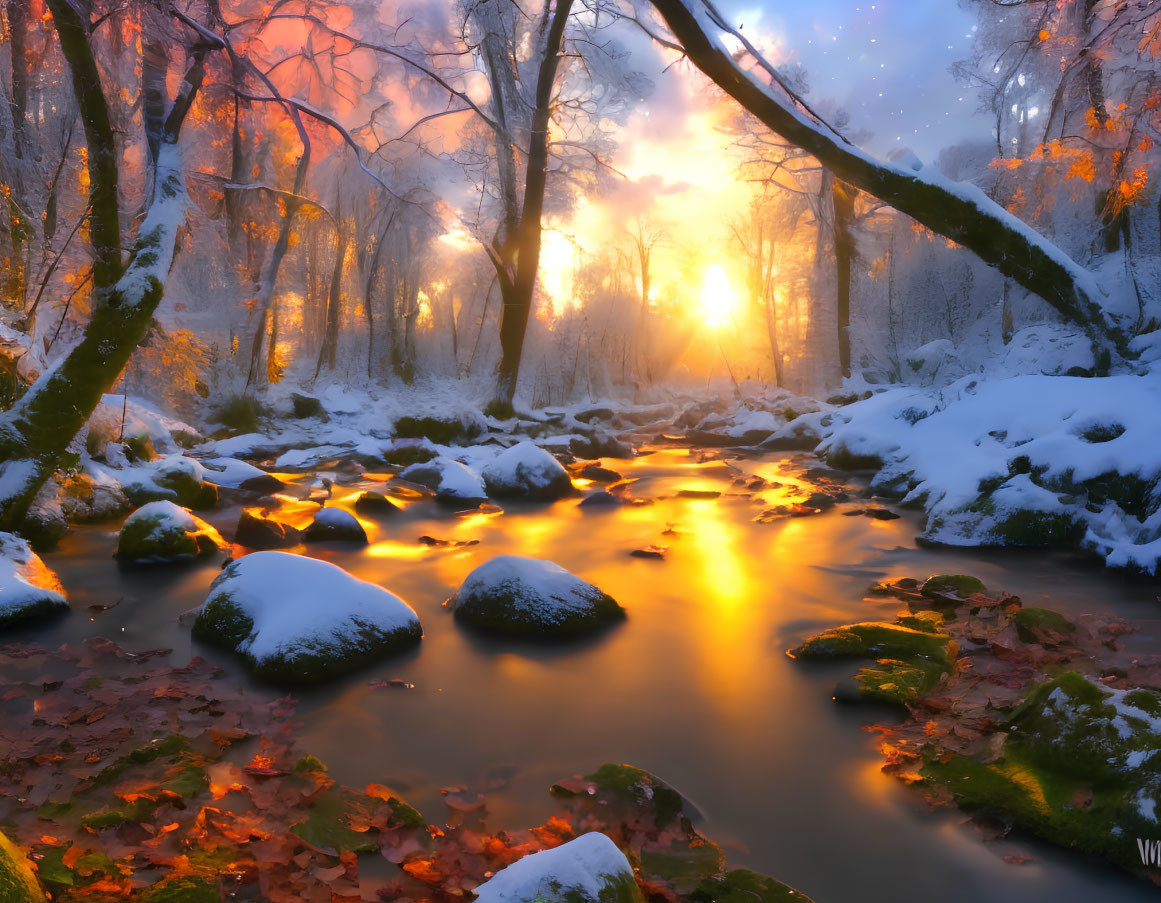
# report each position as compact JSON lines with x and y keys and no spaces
{"x":694,"y":687}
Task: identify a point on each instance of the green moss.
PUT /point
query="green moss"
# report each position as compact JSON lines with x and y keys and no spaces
{"x":500,"y":409}
{"x":51,"y":868}
{"x":639,"y":788}
{"x":1036,"y":625}
{"x":924,"y":620}
{"x":183,"y":890}
{"x":221,"y":622}
{"x":145,"y":539}
{"x":18,"y":882}
{"x":898,"y":682}
{"x":876,"y":639}
{"x":408,"y":815}
{"x":406,"y":455}
{"x":310,"y":763}
{"x":328,"y":824}
{"x":744,"y":886}
{"x":952,"y":587}
{"x":684,"y":866}
{"x":40,"y":609}
{"x":1037,"y":529}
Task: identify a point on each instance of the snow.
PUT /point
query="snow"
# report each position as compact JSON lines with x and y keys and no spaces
{"x":244,"y":445}
{"x":337,"y":518}
{"x":523,"y":467}
{"x":308,"y":457}
{"x":456,"y":480}
{"x":25,"y":581}
{"x":229,"y":472}
{"x":537,"y":588}
{"x":580,"y":869}
{"x":300,"y":603}
{"x":940,"y":445}
{"x":168,"y":517}
{"x":154,"y":247}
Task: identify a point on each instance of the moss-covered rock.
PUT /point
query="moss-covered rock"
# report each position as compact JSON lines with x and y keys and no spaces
{"x":876,"y":639}
{"x":297,"y":620}
{"x":1080,"y":766}
{"x":375,"y":504}
{"x":589,"y":869}
{"x":1042,"y":625}
{"x":1038,"y":529}
{"x":18,"y":882}
{"x":174,"y":478}
{"x":841,"y":457}
{"x":952,"y":587}
{"x":531,"y":597}
{"x":258,"y":531}
{"x":162,"y":532}
{"x":744,"y":886}
{"x":893,"y":681}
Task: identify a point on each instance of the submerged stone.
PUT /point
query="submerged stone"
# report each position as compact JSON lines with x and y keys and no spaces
{"x":745,"y":886}
{"x":875,"y":639}
{"x":162,"y":532}
{"x":952,"y":587}
{"x":375,"y":504}
{"x":257,"y":531}
{"x":531,"y":597}
{"x":297,"y":620}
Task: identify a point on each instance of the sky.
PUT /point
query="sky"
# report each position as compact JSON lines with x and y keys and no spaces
{"x":885,"y":62}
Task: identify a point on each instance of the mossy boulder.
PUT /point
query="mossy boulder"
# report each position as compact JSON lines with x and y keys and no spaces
{"x":745,"y":886}
{"x":589,"y":869}
{"x":531,"y":597}
{"x":876,"y":639}
{"x":306,"y":406}
{"x":174,"y":478}
{"x":635,"y":789}
{"x":952,"y":588}
{"x":1080,"y":766}
{"x":162,"y":532}
{"x":841,"y":457}
{"x":335,"y":525}
{"x":18,"y":883}
{"x":298,"y":620}
{"x":28,"y":588}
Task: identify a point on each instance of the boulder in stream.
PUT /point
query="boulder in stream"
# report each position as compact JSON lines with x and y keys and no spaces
{"x":298,"y":620}
{"x":27,"y":587}
{"x":451,"y":481}
{"x":162,"y":532}
{"x":531,"y":597}
{"x":527,"y":471}
{"x":335,"y":525}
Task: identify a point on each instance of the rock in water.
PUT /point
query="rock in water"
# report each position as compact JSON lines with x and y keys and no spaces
{"x":162,"y":532}
{"x":531,"y":597}
{"x":256,"y":531}
{"x":375,"y":504}
{"x":27,"y":587}
{"x":298,"y":620}
{"x":18,"y":882}
{"x":589,"y":869}
{"x":174,"y":478}
{"x":450,"y":480}
{"x":527,"y":471}
{"x":335,"y":525}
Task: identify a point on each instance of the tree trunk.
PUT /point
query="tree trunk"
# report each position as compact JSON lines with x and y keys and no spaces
{"x":328,"y":353}
{"x":38,"y":429}
{"x":517,"y":290}
{"x":17,"y":33}
{"x":844,"y":251}
{"x":956,"y":211}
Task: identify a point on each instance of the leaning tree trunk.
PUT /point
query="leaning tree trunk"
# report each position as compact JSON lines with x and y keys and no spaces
{"x":38,"y":429}
{"x":957,"y":211}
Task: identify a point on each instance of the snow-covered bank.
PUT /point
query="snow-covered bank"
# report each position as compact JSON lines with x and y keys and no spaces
{"x":1028,"y":460}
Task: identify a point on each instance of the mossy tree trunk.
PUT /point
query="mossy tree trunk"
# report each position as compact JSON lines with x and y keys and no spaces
{"x":954,"y":211}
{"x":38,"y":429}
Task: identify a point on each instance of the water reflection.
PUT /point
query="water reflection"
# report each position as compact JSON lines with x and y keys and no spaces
{"x":693,"y":686}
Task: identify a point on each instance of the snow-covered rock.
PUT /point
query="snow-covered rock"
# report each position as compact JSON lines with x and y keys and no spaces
{"x":27,"y":587}
{"x":172,"y":478}
{"x":300,"y":620}
{"x":234,"y":474}
{"x":450,"y":480}
{"x":526,"y":471}
{"x":92,"y":496}
{"x":335,"y":525}
{"x":163,"y":532}
{"x":589,"y":869}
{"x":531,"y":597}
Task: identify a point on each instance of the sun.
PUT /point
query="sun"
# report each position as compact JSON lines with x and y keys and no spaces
{"x":717,"y":298}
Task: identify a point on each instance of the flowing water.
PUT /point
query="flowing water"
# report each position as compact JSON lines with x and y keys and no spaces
{"x":694,"y":686}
